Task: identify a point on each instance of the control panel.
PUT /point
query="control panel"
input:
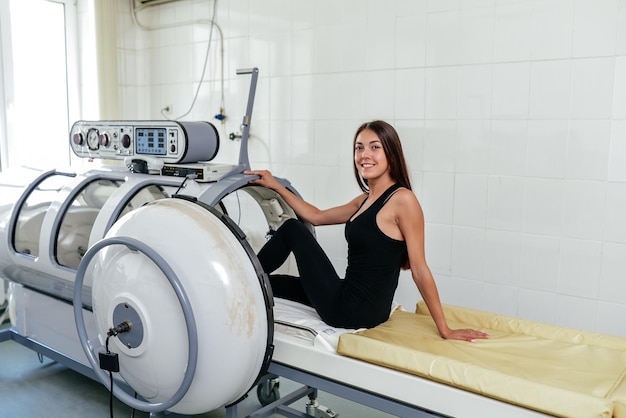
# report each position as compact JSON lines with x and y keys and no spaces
{"x":172,"y":142}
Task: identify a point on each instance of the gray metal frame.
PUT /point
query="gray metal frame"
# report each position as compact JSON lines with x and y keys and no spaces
{"x":312,"y":383}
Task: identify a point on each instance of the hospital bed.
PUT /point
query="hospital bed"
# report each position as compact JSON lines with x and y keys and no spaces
{"x":312,"y":360}
{"x":161,"y":270}
{"x":413,"y":382}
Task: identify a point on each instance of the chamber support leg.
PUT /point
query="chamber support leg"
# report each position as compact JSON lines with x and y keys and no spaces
{"x":314,"y":409}
{"x":231,"y":411}
{"x":280,"y":405}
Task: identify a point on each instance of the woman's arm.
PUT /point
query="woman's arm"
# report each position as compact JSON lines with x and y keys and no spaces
{"x":307,"y":211}
{"x":410,"y":219}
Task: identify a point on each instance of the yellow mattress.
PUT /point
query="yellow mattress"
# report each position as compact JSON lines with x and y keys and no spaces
{"x":559,"y":371}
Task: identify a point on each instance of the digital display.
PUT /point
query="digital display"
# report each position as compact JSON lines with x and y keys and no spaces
{"x":151,"y":141}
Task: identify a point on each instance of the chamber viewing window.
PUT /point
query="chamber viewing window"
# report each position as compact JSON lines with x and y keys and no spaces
{"x":72,"y":240}
{"x":75,"y":228}
{"x":146,"y":195}
{"x":32,"y":212}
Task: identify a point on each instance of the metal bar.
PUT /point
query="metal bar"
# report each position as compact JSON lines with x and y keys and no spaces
{"x":231,"y":411}
{"x":355,"y":394}
{"x":12,"y":334}
{"x":5,"y":334}
{"x":281,"y":402}
{"x":244,"y":160}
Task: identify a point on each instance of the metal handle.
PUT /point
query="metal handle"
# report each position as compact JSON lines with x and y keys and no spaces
{"x":190,"y":322}
{"x":246,"y":70}
{"x":244,"y":161}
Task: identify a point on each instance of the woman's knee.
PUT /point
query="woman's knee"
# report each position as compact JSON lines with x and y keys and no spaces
{"x":294,"y":226}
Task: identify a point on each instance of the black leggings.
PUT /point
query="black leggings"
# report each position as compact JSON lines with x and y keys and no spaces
{"x":318,"y":285}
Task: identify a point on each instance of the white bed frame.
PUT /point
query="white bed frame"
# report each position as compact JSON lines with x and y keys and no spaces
{"x":394,"y":392}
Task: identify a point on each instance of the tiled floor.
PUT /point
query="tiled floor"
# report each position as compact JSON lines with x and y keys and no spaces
{"x":33,"y":388}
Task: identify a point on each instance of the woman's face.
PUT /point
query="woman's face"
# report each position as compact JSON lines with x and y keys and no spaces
{"x":369,"y":155}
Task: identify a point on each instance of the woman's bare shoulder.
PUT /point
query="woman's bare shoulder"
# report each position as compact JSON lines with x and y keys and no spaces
{"x":404,"y":196}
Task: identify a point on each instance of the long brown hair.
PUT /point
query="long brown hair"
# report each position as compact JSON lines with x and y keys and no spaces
{"x":393,"y":151}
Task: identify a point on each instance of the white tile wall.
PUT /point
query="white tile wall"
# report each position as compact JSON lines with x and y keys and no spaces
{"x":543,"y":206}
{"x":442,"y":44}
{"x":476,"y":35}
{"x":615,"y":221}
{"x":470,"y":200}
{"x":474,"y":92}
{"x":505,"y":203}
{"x":579,"y":268}
{"x":508,"y":143}
{"x":502,"y":257}
{"x":612,"y":268}
{"x":437,"y":198}
{"x":513,"y":31}
{"x":511,"y":85}
{"x":595,"y":27}
{"x":441,"y":92}
{"x":439,"y":250}
{"x":439,"y":145}
{"x":588,"y":149}
{"x":552,"y":29}
{"x":512,"y":114}
{"x":539,"y":262}
{"x":583,"y":209}
{"x":499,"y":298}
{"x":550,"y":89}
{"x":547,"y":148}
{"x":472,"y":146}
{"x":593,"y":81}
{"x":468,"y":253}
{"x":617,"y":151}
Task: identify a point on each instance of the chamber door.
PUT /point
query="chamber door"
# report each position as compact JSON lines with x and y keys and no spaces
{"x":227,"y":291}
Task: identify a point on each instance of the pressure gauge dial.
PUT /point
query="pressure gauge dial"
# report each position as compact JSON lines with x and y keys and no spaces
{"x":93,"y":139}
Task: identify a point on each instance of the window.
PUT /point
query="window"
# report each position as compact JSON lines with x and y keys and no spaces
{"x":37,"y":82}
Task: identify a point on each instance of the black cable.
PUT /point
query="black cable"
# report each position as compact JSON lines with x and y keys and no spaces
{"x":110,"y":361}
{"x":110,"y":376}
{"x":111,"y":395}
{"x":132,"y":414}
{"x":181,"y":185}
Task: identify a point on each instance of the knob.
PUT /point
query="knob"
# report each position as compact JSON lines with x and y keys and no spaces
{"x":126,"y":140}
{"x":104,"y":139}
{"x":78,"y":138}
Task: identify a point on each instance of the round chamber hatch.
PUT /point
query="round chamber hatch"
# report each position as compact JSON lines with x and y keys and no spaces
{"x":227,"y":293}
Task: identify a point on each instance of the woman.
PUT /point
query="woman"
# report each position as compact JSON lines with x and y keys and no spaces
{"x":384,"y":230}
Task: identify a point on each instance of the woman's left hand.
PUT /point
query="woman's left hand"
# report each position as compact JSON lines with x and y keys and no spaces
{"x":470,"y":335}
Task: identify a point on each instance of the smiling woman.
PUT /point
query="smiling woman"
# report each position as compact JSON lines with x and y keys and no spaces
{"x":384,"y":229}
{"x":36,"y":82}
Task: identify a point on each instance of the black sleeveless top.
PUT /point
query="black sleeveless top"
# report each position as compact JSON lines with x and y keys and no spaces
{"x":374,"y":262}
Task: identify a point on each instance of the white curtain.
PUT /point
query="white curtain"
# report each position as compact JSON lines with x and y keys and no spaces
{"x":106,"y":16}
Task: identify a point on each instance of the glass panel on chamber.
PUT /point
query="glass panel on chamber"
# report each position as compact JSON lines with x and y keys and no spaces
{"x":259,"y":213}
{"x":32,"y":212}
{"x":146,"y":195}
{"x":247,"y":213}
{"x":73,"y":235}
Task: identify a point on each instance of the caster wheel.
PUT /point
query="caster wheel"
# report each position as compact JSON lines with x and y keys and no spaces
{"x":267,"y":392}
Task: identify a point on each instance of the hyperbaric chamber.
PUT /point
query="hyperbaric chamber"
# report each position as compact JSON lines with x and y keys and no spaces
{"x":163,"y":266}
{"x":208,"y":235}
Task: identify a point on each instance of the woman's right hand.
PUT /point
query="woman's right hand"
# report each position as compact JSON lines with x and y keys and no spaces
{"x":266,"y":179}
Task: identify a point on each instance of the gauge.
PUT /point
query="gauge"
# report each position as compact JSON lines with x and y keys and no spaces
{"x":93,"y":139}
